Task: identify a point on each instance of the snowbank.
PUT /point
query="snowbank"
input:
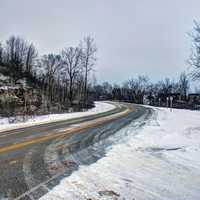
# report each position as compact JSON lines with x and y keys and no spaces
{"x":3,"y":78}
{"x":9,"y":87}
{"x":161,"y":160}
{"x":100,"y":107}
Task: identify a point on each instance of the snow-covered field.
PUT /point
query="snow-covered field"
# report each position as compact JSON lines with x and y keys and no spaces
{"x":100,"y":107}
{"x":161,"y":160}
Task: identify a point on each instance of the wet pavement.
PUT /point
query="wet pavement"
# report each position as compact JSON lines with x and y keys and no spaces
{"x":29,"y":171}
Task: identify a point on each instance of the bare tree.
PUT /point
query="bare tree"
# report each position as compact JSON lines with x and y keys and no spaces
{"x":88,"y":61}
{"x":138,"y":88}
{"x":51,"y":64}
{"x":165,"y":86}
{"x":194,"y":59}
{"x":30,"y":58}
{"x":80,"y":86}
{"x":15,"y":52}
{"x":72,"y":65}
{"x":183,"y":85}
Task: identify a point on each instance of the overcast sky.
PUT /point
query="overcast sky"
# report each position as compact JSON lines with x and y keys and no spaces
{"x":133,"y":36}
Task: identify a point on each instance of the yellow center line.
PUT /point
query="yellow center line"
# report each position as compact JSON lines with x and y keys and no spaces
{"x":83,"y":126}
{"x":33,"y":128}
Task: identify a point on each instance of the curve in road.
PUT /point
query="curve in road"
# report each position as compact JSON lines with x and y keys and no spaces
{"x":33,"y":160}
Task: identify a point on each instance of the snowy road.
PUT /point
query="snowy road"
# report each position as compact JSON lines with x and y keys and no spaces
{"x":150,"y":159}
{"x":33,"y":160}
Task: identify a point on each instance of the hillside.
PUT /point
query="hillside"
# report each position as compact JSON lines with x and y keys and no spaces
{"x":18,"y":98}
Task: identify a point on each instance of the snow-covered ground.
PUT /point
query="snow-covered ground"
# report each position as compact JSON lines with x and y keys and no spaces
{"x":161,"y":160}
{"x":100,"y":107}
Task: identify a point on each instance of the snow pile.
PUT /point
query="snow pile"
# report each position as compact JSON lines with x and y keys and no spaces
{"x":161,"y":160}
{"x":9,"y":87}
{"x":3,"y":78}
{"x":100,"y":107}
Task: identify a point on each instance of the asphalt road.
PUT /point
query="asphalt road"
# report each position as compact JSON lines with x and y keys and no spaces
{"x":33,"y":160}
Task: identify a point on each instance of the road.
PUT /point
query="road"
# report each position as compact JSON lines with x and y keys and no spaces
{"x":34,"y":159}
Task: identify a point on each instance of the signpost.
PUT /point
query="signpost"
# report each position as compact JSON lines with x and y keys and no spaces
{"x":171,"y":103}
{"x":167,"y":99}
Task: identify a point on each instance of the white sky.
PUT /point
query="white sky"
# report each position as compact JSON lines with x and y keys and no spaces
{"x":133,"y":36}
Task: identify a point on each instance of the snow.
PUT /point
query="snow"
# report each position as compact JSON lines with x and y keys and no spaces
{"x":159,"y":160}
{"x":9,"y":87}
{"x":100,"y":107}
{"x":3,"y":78}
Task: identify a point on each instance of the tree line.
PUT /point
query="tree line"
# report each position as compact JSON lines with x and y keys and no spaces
{"x":140,"y":89}
{"x":62,"y":78}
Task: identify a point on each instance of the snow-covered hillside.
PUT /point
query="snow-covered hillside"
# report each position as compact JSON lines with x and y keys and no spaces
{"x":160,"y":161}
